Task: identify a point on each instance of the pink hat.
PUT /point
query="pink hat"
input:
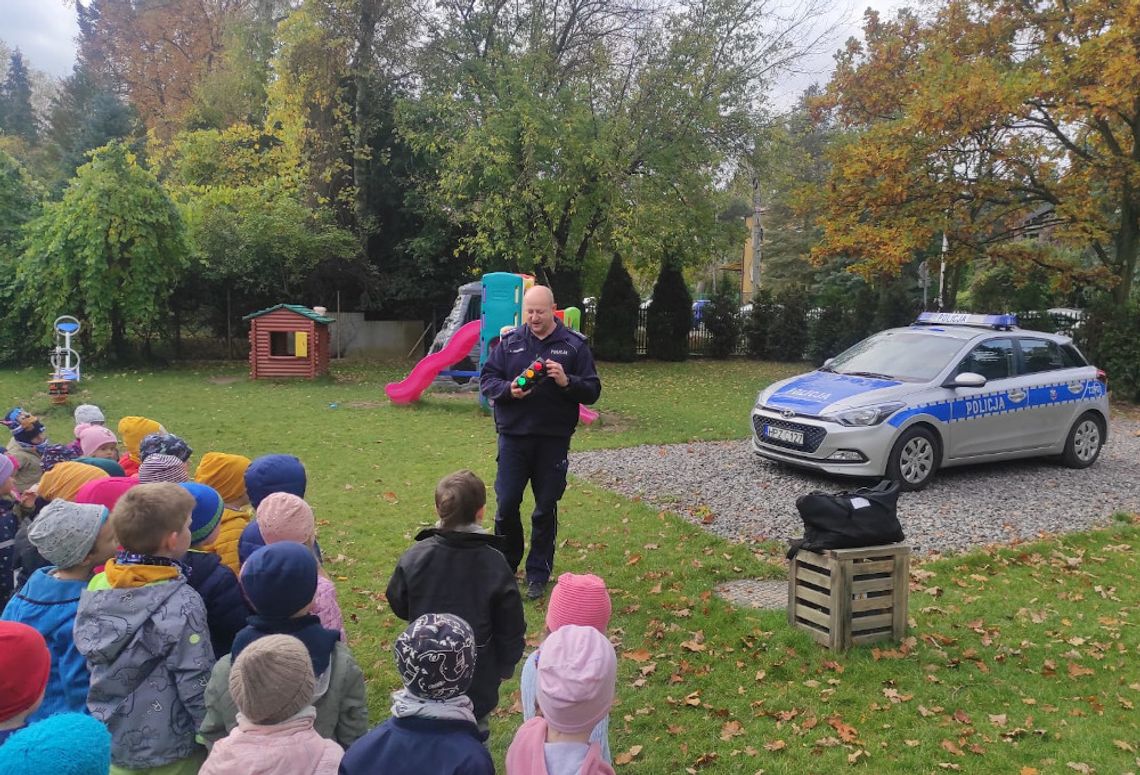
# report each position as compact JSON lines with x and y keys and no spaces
{"x":81,"y":427}
{"x":579,"y":599}
{"x":105,"y":491}
{"x":282,"y":516}
{"x":577,"y":675}
{"x":94,"y":436}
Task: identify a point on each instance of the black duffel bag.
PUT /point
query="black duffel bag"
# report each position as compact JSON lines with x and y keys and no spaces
{"x":845,"y":520}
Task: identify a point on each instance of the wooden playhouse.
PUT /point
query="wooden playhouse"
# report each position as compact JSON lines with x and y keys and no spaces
{"x":288,"y":340}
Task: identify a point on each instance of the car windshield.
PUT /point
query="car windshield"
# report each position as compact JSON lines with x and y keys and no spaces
{"x":901,"y":355}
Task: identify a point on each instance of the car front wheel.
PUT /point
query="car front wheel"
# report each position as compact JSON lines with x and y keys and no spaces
{"x":1086,"y":438}
{"x":914,"y":459}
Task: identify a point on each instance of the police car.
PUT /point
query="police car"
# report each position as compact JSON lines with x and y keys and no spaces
{"x":951,"y":389}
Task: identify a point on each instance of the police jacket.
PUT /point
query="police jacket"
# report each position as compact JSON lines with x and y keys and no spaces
{"x":549,"y":410}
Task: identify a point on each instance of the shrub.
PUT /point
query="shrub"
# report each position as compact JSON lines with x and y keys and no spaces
{"x":759,"y":324}
{"x":897,"y":306}
{"x":789,"y":333}
{"x":722,"y":321}
{"x":846,"y":305}
{"x":670,"y":316}
{"x":615,"y":328}
{"x":1110,"y":338}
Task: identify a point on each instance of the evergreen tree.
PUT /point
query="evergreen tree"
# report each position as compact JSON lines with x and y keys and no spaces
{"x":722,"y":321}
{"x":615,"y":329}
{"x":670,"y":316}
{"x":896,"y":305}
{"x":789,"y":332}
{"x":758,"y":326}
{"x":85,"y":116}
{"x":16,"y":115}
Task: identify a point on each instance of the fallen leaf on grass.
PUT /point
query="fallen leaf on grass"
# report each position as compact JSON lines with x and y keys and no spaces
{"x":951,"y":747}
{"x":1076,"y":671}
{"x":1080,"y":767}
{"x":731,"y":729}
{"x":638,"y":655}
{"x":998,"y":719}
{"x":855,"y":756}
{"x":627,"y":756}
{"x":847,"y":733}
{"x":775,"y":745}
{"x":1124,"y":746}
{"x":693,"y":645}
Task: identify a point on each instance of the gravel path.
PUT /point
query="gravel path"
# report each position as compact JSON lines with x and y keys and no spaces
{"x":727,"y":489}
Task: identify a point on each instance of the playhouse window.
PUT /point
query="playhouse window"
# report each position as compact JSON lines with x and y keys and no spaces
{"x":288,"y":344}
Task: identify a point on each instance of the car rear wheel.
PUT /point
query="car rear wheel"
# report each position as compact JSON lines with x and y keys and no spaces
{"x":914,"y":459}
{"x":1086,"y":438}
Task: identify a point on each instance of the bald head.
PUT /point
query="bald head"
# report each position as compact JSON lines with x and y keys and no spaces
{"x":538,"y":310}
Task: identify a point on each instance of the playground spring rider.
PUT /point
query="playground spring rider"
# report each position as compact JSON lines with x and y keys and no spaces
{"x":64,"y":360}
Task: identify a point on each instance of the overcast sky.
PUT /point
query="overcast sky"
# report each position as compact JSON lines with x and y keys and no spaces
{"x":45,"y":31}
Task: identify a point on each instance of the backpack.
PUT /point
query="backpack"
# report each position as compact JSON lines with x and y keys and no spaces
{"x":844,"y":520}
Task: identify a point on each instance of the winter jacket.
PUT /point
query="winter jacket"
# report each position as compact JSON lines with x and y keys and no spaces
{"x":414,"y":746}
{"x":342,"y":709}
{"x":229,"y":533}
{"x":9,"y":527}
{"x":290,"y":748}
{"x":30,"y":470}
{"x":465,"y":574}
{"x":129,"y":465}
{"x":27,"y":558}
{"x":527,"y":754}
{"x":549,"y":410}
{"x":528,"y":695}
{"x":218,"y":587}
{"x":148,"y":650}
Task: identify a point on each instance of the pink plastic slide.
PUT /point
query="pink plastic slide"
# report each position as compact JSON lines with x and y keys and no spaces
{"x":457,"y":348}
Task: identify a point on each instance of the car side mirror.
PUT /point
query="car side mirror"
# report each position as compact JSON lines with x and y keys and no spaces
{"x":967,"y":379}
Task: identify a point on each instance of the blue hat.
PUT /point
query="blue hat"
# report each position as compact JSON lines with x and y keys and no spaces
{"x":251,"y":540}
{"x":64,"y":744}
{"x":280,"y":579}
{"x":57,"y":453}
{"x":207,"y":513}
{"x":274,"y":473}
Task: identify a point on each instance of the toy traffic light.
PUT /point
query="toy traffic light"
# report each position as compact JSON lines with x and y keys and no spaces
{"x":531,"y":376}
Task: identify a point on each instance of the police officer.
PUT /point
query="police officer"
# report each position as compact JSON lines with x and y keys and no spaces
{"x":535,"y":425}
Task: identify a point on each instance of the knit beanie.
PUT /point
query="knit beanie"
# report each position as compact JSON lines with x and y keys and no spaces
{"x":132,"y":430}
{"x":112,"y":467}
{"x":280,"y":579}
{"x":7,"y":467}
{"x":272,"y":679}
{"x":577,"y":674}
{"x":54,"y":454}
{"x":24,"y":665}
{"x":225,"y":473}
{"x":89,"y":413}
{"x":163,"y":468}
{"x":249,"y":541}
{"x":105,"y":492}
{"x":283,"y":516}
{"x":94,"y":436}
{"x":435,"y":656}
{"x":25,"y":427}
{"x":580,"y":599}
{"x":64,"y":532}
{"x":63,"y":744}
{"x":207,"y":513}
{"x":274,"y":473}
{"x":65,"y":479}
{"x":164,"y":444}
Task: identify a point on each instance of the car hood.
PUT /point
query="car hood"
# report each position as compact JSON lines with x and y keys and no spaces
{"x":820,"y":392}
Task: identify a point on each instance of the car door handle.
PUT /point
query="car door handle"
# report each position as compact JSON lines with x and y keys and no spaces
{"x":1017,"y":395}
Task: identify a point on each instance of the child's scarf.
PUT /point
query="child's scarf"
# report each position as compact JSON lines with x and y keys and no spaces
{"x":319,"y":641}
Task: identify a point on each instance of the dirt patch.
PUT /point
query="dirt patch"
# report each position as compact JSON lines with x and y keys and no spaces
{"x":755,"y":593}
{"x":364,"y":404}
{"x":224,"y":379}
{"x":612,"y":422}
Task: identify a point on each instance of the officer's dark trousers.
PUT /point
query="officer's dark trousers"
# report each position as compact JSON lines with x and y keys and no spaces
{"x":541,"y":460}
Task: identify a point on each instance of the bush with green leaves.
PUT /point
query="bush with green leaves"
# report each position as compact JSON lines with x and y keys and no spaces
{"x":721,"y":319}
{"x":670,"y":316}
{"x":1110,"y":338}
{"x":615,"y":328}
{"x":846,"y":306}
{"x":788,"y":336}
{"x":758,"y":325}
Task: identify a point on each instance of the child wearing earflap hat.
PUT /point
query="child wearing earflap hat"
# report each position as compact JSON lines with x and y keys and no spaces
{"x":26,"y":447}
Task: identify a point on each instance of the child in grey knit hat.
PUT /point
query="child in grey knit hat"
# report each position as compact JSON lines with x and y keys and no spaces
{"x":75,"y":538}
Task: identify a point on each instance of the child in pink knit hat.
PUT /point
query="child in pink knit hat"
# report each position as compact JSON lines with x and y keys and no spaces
{"x":282,"y":516}
{"x":577,"y":599}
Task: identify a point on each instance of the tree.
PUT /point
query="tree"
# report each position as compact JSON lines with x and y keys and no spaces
{"x":758,"y":326}
{"x":85,"y":116}
{"x":19,"y":203}
{"x":109,"y":252}
{"x":16,"y":114}
{"x":670,"y":315}
{"x":721,"y":318}
{"x":788,"y":334}
{"x":615,"y":328}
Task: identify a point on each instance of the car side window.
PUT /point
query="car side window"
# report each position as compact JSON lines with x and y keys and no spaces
{"x":1038,"y":355}
{"x":993,"y":359}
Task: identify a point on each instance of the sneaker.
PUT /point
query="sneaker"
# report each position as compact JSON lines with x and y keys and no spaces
{"x":535,"y":590}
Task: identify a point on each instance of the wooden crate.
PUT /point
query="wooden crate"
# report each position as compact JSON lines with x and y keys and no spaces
{"x":847,"y":597}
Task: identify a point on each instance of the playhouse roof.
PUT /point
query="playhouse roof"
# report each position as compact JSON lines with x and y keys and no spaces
{"x":300,"y":309}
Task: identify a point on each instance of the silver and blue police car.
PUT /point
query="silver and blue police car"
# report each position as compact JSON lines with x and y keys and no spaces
{"x":951,"y":389}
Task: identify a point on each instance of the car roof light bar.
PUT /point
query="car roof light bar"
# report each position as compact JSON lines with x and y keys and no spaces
{"x":999,"y":322}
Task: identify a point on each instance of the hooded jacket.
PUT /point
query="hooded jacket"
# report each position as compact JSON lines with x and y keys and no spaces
{"x":465,"y":574}
{"x":29,"y":470}
{"x":230,"y":529}
{"x":149,"y":654}
{"x":527,"y":754}
{"x":218,"y":587}
{"x":410,"y":746}
{"x":290,"y":748}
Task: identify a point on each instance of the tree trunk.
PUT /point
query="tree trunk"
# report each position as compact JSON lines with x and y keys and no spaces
{"x":361,"y":68}
{"x":1127,"y":245}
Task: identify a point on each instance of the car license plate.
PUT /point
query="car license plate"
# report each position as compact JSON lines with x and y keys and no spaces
{"x":785,"y":435}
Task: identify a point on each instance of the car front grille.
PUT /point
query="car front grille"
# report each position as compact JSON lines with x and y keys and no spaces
{"x":813,"y":434}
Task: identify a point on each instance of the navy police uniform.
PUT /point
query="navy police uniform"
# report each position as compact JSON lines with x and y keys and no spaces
{"x":534,"y":436}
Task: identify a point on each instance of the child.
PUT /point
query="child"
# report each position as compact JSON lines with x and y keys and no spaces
{"x":97,"y":441}
{"x":64,"y":480}
{"x":53,"y":454}
{"x":283,"y":516}
{"x":24,"y":666}
{"x":74,"y":538}
{"x":272,"y":684}
{"x":159,"y":467}
{"x":132,"y":430}
{"x":432,"y":728}
{"x":26,"y":447}
{"x":164,"y":444}
{"x":576,"y":681}
{"x":65,"y":744}
{"x":265,"y":476}
{"x":226,"y":610}
{"x":143,"y":631}
{"x":90,"y":414}
{"x":105,"y":492}
{"x":279,"y":582}
{"x":457,"y":568}
{"x":226,"y":474}
{"x":584,"y":601}
{"x":9,"y":527}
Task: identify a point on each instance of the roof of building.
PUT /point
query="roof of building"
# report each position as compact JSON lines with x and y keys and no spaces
{"x":300,"y":309}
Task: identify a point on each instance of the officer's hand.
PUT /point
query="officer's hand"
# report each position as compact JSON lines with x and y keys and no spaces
{"x":555,"y":372}
{"x":517,"y":392}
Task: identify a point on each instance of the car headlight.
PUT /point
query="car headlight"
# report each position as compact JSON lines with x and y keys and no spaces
{"x":865,"y":415}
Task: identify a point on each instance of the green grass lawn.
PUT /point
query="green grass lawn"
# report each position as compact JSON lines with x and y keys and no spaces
{"x":1019,"y":660}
